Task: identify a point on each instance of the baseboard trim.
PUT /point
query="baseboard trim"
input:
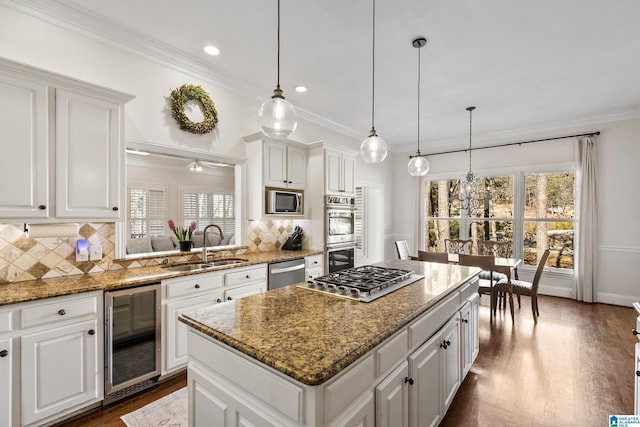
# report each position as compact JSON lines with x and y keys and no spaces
{"x":615,"y":299}
{"x":556,"y":292}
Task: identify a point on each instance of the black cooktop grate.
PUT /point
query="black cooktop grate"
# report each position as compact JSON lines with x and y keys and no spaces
{"x":365,"y":278}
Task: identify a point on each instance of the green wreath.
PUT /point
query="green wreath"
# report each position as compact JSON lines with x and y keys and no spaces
{"x":183,"y":94}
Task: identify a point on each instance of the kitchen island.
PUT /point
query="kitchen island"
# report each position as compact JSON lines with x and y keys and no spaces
{"x":296,"y":357}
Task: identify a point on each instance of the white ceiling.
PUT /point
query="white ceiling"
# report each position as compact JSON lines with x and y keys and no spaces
{"x":526,"y":65}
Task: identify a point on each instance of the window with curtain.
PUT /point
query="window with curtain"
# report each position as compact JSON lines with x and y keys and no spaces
{"x":146,"y":211}
{"x":545,"y":220}
{"x":209,"y":208}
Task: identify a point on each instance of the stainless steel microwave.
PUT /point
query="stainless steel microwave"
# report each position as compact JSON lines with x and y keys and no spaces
{"x":284,"y":202}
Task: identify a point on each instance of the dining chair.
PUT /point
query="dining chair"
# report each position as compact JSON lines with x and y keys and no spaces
{"x":495,"y":248}
{"x":402,"y":247}
{"x":486,"y":263}
{"x":457,"y":246}
{"x":441,"y":257}
{"x":521,"y":287}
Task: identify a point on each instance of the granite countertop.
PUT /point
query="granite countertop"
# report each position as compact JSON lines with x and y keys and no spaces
{"x":311,"y":336}
{"x":31,"y":290}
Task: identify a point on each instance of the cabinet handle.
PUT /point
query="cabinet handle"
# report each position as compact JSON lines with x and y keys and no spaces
{"x":465,"y":320}
{"x":247,"y":277}
{"x":445,"y":344}
{"x":62,"y":312}
{"x":115,"y":208}
{"x":4,"y":353}
{"x":42,"y":207}
{"x":218,"y":300}
{"x":91,"y":332}
{"x":229,"y":298}
{"x":197,"y":286}
{"x":408,"y":380}
{"x":634,"y":332}
{"x":637,"y":372}
{"x":288,"y":182}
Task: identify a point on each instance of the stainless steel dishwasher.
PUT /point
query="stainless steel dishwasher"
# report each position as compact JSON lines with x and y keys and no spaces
{"x":286,"y":273}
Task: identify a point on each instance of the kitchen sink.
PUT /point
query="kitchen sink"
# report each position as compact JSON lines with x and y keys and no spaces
{"x":187,"y":267}
{"x":227,"y":261}
{"x":202,"y":266}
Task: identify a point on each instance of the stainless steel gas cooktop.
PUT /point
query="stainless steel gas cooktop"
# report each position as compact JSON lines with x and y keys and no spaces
{"x":365,"y":283}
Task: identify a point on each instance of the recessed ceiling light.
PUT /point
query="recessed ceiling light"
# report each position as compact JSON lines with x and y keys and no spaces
{"x":212,"y":50}
{"x":300,"y":89}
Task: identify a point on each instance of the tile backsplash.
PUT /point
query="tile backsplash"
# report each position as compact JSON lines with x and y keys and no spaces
{"x":23,"y":258}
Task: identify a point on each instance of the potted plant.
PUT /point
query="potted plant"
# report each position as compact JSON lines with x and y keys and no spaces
{"x":183,"y":234}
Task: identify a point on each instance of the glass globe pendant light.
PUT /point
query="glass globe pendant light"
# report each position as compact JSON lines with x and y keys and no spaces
{"x":277,"y":117}
{"x":373,"y":149}
{"x":418,"y":163}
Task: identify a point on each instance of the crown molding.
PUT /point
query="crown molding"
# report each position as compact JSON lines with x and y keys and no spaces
{"x":590,"y":122}
{"x":113,"y":34}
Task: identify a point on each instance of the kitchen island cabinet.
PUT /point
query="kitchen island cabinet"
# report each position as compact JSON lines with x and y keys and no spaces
{"x":296,"y":357}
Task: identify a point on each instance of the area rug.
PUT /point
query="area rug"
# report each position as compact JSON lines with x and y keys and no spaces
{"x":169,"y":411}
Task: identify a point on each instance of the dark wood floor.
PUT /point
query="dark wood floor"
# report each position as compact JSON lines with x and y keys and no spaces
{"x":574,"y":368}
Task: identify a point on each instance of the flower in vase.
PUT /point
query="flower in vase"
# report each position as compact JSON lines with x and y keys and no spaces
{"x":183,"y":234}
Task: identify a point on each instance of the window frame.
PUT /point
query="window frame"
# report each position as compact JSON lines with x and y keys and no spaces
{"x":207,"y":190}
{"x":147,"y":187}
{"x":518,"y":219}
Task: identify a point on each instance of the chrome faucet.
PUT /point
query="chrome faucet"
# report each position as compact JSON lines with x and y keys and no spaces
{"x":204,"y":240}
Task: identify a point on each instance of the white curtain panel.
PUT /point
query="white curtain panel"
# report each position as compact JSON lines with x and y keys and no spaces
{"x":587,"y":232}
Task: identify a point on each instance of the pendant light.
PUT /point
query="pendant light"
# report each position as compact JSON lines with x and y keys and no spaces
{"x":276,"y":116}
{"x":373,"y":149}
{"x":418,"y":164}
{"x":469,"y":194}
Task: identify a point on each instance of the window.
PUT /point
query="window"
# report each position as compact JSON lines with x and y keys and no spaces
{"x":546,"y":219}
{"x":549,"y":217}
{"x":209,"y":208}
{"x":147,"y":209}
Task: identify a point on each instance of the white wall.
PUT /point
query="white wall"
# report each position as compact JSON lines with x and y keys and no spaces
{"x":618,"y":149}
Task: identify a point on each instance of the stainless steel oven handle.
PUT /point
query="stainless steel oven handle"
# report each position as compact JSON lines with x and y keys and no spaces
{"x":287,"y":269}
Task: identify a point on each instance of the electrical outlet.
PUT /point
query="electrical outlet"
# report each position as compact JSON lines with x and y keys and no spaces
{"x":95,"y":253}
{"x":82,"y":250}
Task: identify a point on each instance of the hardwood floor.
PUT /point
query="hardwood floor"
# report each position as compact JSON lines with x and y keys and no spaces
{"x":574,"y":368}
{"x":110,"y":416}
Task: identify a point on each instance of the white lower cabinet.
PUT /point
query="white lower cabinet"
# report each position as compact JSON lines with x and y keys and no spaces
{"x":313,"y":267}
{"x":6,"y":384}
{"x":59,"y":368}
{"x":245,"y":281}
{"x":409,"y":380}
{"x":470,"y":343}
{"x":392,"y":398}
{"x":51,"y":358}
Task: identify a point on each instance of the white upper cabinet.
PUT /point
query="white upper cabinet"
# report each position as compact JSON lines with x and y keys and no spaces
{"x":339,"y":173}
{"x":89,"y":160}
{"x":54,"y":129}
{"x":284,"y":165}
{"x":24,"y":141}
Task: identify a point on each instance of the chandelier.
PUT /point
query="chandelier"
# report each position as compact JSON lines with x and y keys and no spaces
{"x":469,"y":193}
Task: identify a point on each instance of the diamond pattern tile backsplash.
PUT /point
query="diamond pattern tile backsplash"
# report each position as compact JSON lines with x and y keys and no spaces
{"x":24,"y":258}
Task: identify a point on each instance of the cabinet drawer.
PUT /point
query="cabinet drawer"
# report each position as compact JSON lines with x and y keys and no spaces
{"x":426,"y":326}
{"x":245,"y":275}
{"x":192,"y":285}
{"x":469,"y":289}
{"x":58,"y":311}
{"x":391,"y":352}
{"x":5,"y":321}
{"x":313,"y":261}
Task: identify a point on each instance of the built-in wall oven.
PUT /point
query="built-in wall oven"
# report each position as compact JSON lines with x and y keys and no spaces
{"x":340,"y":237}
{"x":132,"y":340}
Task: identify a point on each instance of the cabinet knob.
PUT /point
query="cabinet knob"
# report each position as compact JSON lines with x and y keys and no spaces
{"x":62,"y":312}
{"x":445,"y":344}
{"x":465,"y":320}
{"x":115,"y":208}
{"x":408,"y":380}
{"x":197,"y":286}
{"x":218,"y":300}
{"x":634,"y":332}
{"x":637,"y":372}
{"x":247,"y":277}
{"x":229,"y":298}
{"x":91,"y":332}
{"x":42,"y":207}
{"x":289,"y":182}
{"x":4,"y":353}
